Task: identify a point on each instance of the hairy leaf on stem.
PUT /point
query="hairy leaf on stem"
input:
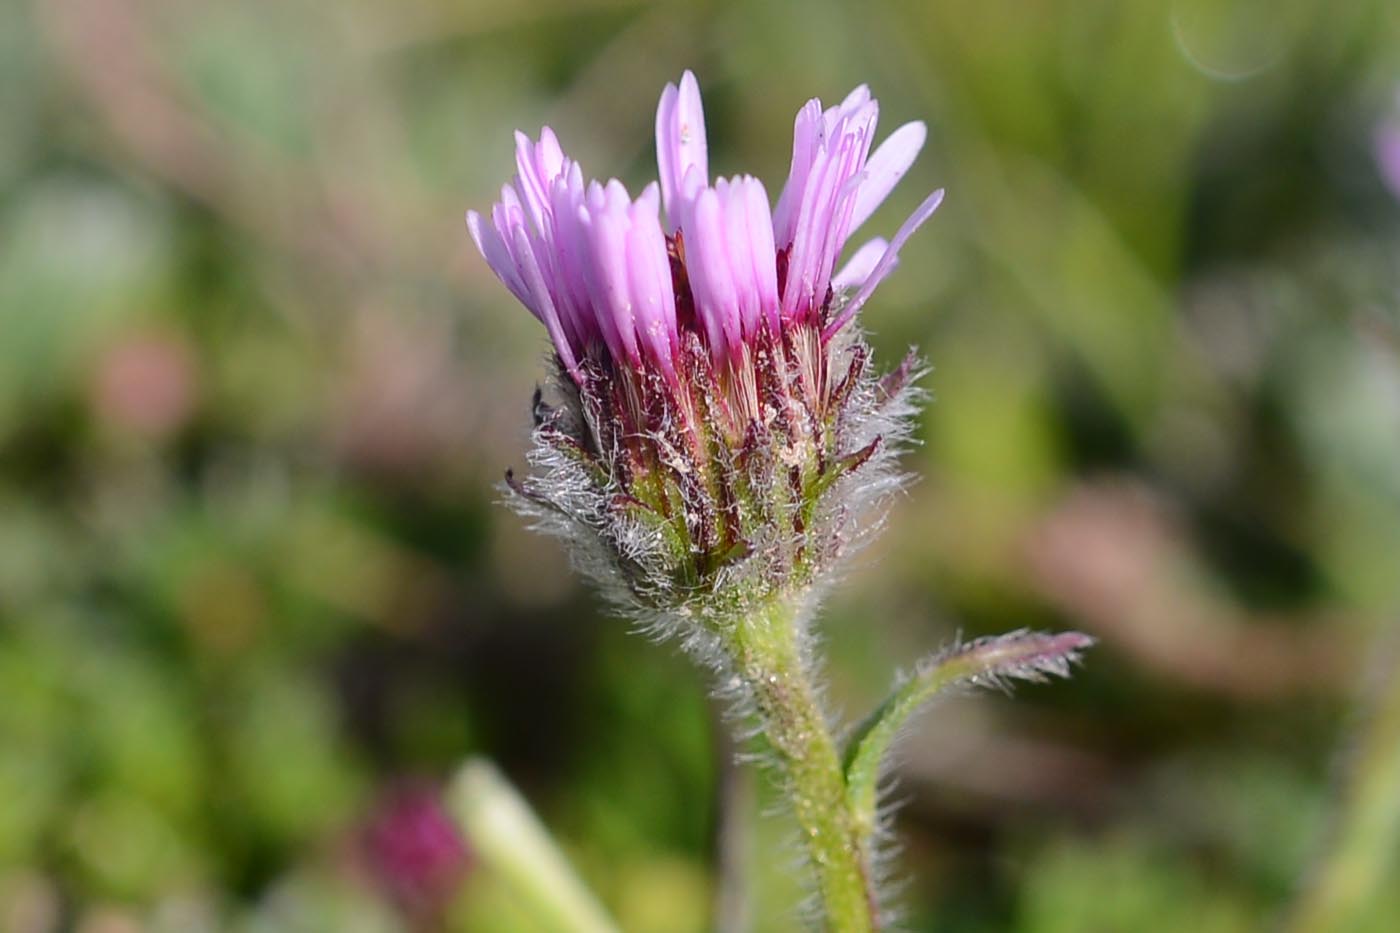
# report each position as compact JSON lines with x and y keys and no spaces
{"x":991,"y":661}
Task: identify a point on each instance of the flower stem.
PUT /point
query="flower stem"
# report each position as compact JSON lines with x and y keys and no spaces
{"x":768,"y":656}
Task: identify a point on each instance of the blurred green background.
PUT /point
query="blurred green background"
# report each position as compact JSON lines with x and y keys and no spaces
{"x":257,"y":388}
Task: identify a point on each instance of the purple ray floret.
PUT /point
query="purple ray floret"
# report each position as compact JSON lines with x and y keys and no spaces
{"x":680,"y":141}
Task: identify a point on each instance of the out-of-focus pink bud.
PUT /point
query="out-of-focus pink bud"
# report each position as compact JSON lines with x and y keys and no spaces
{"x":414,"y":849}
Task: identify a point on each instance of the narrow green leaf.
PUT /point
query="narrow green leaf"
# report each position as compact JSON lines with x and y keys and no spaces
{"x":508,"y":838}
{"x":991,"y":661}
{"x":1347,"y":883}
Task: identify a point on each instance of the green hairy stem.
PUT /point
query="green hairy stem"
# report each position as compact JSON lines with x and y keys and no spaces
{"x":834,"y":793}
{"x":765,"y":649}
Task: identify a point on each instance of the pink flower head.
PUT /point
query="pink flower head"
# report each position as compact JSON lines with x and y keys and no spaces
{"x":706,"y":430}
{"x":597,"y":268}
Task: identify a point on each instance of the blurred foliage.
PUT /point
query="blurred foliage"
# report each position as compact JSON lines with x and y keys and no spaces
{"x":256,"y":390}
